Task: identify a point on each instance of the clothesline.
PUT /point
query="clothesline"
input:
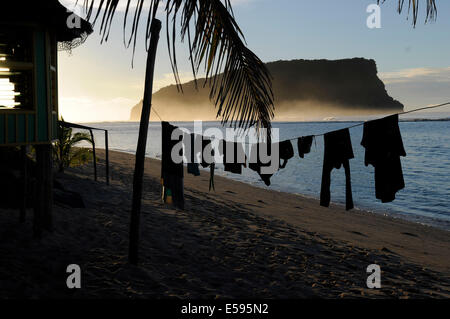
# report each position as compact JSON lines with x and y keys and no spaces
{"x":401,"y":113}
{"x":355,"y":125}
{"x":381,"y":139}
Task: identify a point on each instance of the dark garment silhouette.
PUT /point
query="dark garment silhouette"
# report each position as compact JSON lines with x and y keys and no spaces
{"x":304,"y":145}
{"x":256,"y":164}
{"x":232,"y":164}
{"x":192,"y":165}
{"x":384,"y":146}
{"x":338,"y":151}
{"x":208,"y":149}
{"x":192,"y":168}
{"x":212,"y":167}
{"x":286,"y":152}
{"x":206,"y":145}
{"x":171,"y":172}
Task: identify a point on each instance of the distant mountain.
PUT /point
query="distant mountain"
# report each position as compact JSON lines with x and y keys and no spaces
{"x":303,"y":89}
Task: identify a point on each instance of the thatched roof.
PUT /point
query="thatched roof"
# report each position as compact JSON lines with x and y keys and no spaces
{"x":51,"y":14}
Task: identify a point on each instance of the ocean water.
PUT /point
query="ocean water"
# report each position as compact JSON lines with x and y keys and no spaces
{"x":426,"y":168}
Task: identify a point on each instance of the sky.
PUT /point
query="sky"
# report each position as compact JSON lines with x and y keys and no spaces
{"x":98,"y":83}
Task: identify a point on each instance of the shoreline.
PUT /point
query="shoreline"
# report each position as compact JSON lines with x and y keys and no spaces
{"x":359,"y":217}
{"x":416,"y":219}
{"x":238,"y":242}
{"x":444,"y":119}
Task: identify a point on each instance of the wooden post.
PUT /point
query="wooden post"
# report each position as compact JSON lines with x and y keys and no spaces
{"x":38,"y":194}
{"x":23,"y":208}
{"x":43,"y":210}
{"x":142,"y":143}
{"x":93,"y":153}
{"x":107,"y":157}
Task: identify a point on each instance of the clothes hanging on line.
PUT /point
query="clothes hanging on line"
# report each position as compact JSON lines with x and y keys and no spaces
{"x":286,"y":152}
{"x":304,"y":145}
{"x":256,"y":164}
{"x":212,"y":167}
{"x":338,"y":152}
{"x":192,"y":165}
{"x":172,"y":175}
{"x":232,"y":162}
{"x":384,"y":146}
{"x":193,"y":169}
{"x":208,"y":150}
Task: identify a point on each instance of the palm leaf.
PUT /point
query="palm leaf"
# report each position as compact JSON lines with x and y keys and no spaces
{"x":78,"y":137}
{"x":243,"y":95}
{"x":414,"y":6}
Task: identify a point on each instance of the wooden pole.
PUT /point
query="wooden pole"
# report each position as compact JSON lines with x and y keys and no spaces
{"x":107,"y":157}
{"x":23,"y":208}
{"x":93,"y":153}
{"x":38,"y":195}
{"x":43,"y":211}
{"x":142,"y":143}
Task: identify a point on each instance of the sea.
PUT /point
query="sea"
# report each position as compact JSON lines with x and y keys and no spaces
{"x":426,"y":168}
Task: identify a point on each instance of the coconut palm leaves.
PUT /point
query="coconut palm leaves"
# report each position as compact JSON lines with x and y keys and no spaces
{"x":414,"y":6}
{"x":63,"y":150}
{"x":243,"y":95}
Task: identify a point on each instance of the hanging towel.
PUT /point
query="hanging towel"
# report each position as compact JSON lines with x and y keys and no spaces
{"x":304,"y":145}
{"x":171,"y":172}
{"x":286,"y":152}
{"x":233,"y":163}
{"x":384,"y":146}
{"x":256,"y":164}
{"x":338,"y":151}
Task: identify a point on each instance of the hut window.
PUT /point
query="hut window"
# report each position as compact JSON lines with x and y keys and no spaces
{"x":16,"y":69}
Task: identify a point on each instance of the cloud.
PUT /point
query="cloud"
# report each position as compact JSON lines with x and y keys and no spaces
{"x":419,"y":86}
{"x":417,"y":74}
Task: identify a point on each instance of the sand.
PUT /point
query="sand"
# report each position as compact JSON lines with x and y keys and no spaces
{"x":238,"y":242}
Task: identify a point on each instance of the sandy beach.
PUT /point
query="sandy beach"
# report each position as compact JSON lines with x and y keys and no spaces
{"x":237,"y":242}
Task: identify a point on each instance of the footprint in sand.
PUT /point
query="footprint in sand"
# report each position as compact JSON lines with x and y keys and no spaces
{"x":357,"y":233}
{"x":384,"y":249}
{"x":409,"y":234}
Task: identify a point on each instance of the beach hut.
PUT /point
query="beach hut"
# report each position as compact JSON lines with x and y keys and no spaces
{"x":31,"y":32}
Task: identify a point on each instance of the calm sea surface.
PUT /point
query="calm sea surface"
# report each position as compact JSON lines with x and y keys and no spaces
{"x":425,"y":199}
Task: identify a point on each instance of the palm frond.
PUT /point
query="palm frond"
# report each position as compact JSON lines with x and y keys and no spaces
{"x":79,"y":137}
{"x":243,"y":94}
{"x":413,"y":5}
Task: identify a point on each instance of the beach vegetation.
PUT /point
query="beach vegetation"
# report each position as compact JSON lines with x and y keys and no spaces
{"x":65,"y":151}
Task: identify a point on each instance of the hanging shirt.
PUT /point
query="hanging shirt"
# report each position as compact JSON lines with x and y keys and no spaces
{"x":384,"y":146}
{"x":256,"y":164}
{"x":232,"y":163}
{"x":171,"y":172}
{"x":286,"y":152}
{"x":338,"y":151}
{"x":304,"y":145}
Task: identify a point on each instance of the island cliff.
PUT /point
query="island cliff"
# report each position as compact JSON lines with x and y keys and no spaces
{"x":302,"y":88}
